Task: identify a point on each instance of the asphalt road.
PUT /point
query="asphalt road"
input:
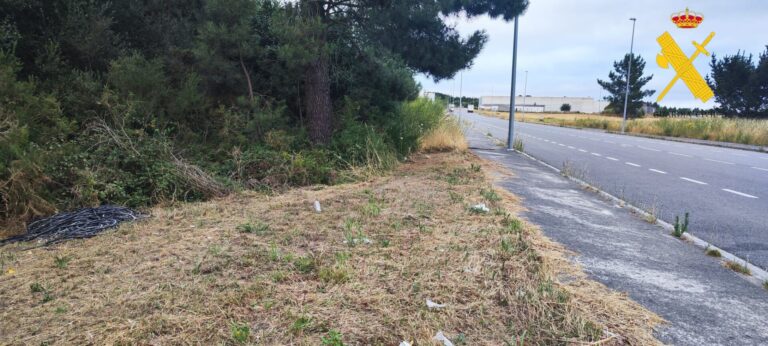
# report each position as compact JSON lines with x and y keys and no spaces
{"x":724,"y":190}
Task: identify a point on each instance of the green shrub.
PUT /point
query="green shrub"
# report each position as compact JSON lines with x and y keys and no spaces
{"x":410,"y":122}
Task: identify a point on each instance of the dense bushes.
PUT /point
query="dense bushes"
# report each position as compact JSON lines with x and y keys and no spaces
{"x":126,"y":103}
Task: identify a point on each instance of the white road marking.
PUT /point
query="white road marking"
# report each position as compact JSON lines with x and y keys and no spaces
{"x":694,"y":181}
{"x":612,"y":158}
{"x":718,"y":161}
{"x":582,"y":150}
{"x":571,"y":147}
{"x":657,"y":171}
{"x":740,"y":193}
{"x":645,"y":148}
{"x":678,"y":154}
{"x":632,"y":164}
{"x":761,"y":169}
{"x":562,"y":145}
{"x":596,"y":154}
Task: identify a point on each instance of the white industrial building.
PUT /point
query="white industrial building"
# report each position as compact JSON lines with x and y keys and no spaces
{"x":541,"y":104}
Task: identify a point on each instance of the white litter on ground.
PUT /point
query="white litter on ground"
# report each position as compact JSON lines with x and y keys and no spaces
{"x":405,"y":343}
{"x":433,"y":305}
{"x":480,"y":208}
{"x":317,"y":206}
{"x":442,"y":338}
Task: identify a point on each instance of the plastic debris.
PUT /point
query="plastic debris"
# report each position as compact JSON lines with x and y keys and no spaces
{"x":356,"y":241}
{"x":433,"y":305}
{"x":405,"y":343}
{"x":10,"y":271}
{"x":480,"y":208}
{"x":317,"y":207}
{"x":78,"y":224}
{"x":442,"y":338}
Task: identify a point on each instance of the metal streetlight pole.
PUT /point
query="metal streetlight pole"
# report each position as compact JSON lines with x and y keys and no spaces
{"x":511,"y":133}
{"x":629,"y":74}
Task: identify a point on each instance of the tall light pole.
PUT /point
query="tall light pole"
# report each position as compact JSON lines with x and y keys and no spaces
{"x":525,"y":90}
{"x":511,"y":133}
{"x":629,"y":74}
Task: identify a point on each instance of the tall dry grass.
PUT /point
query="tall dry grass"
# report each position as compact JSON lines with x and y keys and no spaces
{"x":446,"y":136}
{"x":743,"y":131}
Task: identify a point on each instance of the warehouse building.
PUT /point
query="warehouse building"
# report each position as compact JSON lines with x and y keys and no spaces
{"x":541,"y":104}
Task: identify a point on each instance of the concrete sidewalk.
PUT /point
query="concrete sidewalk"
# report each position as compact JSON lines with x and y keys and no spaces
{"x":704,"y":303}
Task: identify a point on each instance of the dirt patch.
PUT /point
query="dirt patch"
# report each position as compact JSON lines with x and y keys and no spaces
{"x":257,"y":269}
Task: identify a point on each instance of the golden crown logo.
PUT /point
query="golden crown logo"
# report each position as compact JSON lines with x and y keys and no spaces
{"x":687,"y":19}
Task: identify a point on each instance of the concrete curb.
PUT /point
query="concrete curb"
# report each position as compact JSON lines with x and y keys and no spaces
{"x":728,"y":145}
{"x":758,"y":277}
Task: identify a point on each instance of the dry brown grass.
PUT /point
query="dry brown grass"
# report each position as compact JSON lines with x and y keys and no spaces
{"x":744,"y":131}
{"x":447,"y":136}
{"x":194,"y":272}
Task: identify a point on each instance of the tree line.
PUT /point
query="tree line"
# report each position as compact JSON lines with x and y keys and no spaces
{"x":140,"y":101}
{"x":739,"y":82}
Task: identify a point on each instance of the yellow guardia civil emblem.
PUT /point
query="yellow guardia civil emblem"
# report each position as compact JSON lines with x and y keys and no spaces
{"x":671,"y":54}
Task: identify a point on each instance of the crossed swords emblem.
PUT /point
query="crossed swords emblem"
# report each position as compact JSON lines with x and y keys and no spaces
{"x":683,"y":66}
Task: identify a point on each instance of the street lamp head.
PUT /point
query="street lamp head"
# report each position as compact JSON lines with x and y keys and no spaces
{"x":633,"y":19}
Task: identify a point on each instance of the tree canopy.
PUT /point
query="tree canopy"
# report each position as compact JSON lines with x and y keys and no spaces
{"x":617,"y":83}
{"x":740,"y":86}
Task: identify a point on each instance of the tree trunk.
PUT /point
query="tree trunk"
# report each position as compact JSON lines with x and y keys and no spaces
{"x":317,"y":98}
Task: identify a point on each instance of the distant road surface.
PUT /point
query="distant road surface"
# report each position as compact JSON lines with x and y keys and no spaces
{"x":725,"y":190}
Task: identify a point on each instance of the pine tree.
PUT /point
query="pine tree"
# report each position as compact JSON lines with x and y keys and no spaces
{"x":617,"y":86}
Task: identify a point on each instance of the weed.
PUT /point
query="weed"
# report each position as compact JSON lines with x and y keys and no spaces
{"x":301,"y":324}
{"x":36,"y":287}
{"x":353,"y":233}
{"x":278,"y":276}
{"x":61,"y":262}
{"x":765,"y":285}
{"x":305,"y":265}
{"x":240,"y":332}
{"x":455,"y":197}
{"x":680,"y":228}
{"x":738,"y":267}
{"x":258,"y":228}
{"x":512,"y":225}
{"x":460,"y":339}
{"x":333,"y":338}
{"x":275,"y":255}
{"x":490,"y":195}
{"x":333,"y":275}
{"x":61,"y":309}
{"x":47,"y":297}
{"x":475,"y":168}
{"x":371,"y":208}
{"x":384,"y":242}
{"x":518,"y":145}
{"x":714,"y":253}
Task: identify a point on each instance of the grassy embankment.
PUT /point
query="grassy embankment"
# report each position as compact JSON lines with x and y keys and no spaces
{"x":264,"y":269}
{"x":743,"y":131}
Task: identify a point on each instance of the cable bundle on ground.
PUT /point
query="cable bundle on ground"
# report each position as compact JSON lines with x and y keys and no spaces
{"x":81,"y":223}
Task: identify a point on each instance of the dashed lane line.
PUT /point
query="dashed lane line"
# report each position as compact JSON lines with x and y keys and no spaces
{"x":611,"y":158}
{"x":760,"y":169}
{"x":678,"y":154}
{"x":649,"y":149}
{"x":657,"y":171}
{"x":694,"y":181}
{"x":596,"y":154}
{"x":742,"y":194}
{"x":583,"y":151}
{"x":633,"y":164}
{"x":723,"y":162}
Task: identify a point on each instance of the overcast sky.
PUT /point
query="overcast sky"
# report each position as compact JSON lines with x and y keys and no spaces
{"x":567,"y":45}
